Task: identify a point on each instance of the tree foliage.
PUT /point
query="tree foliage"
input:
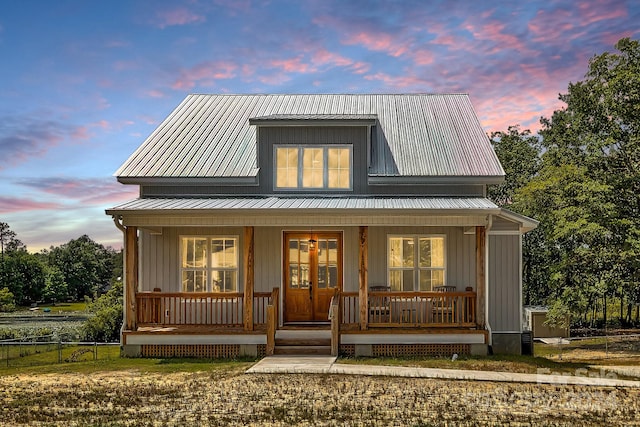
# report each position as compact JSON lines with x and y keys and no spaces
{"x":586,"y":192}
{"x":105,"y":325}
{"x":86,"y":266}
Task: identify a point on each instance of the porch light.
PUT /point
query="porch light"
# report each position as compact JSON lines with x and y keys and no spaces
{"x":312,"y":243}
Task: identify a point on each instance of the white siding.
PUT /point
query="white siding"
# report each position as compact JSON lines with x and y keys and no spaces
{"x":504,"y":283}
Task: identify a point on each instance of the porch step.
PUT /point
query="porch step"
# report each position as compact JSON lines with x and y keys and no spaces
{"x":303,"y":342}
{"x":303,"y":346}
{"x":299,"y":350}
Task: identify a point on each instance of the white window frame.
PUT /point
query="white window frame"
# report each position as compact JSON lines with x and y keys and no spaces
{"x":208,"y":268}
{"x":416,"y":259}
{"x":325,"y":167}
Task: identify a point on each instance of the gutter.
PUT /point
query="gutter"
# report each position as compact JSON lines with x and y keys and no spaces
{"x":486,"y":278}
{"x":117,"y":221}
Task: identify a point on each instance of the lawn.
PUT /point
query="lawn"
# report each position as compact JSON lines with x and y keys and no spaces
{"x":122,"y":391}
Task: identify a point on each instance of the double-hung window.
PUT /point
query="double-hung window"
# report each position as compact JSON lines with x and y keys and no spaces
{"x":313,"y":167}
{"x":209,"y":264}
{"x":416,"y":263}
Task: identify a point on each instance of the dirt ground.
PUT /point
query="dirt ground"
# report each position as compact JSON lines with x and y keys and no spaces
{"x":230,"y":397}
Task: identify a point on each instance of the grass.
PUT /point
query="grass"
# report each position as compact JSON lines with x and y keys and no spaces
{"x":61,"y":307}
{"x":134,"y":391}
{"x":108,"y":359}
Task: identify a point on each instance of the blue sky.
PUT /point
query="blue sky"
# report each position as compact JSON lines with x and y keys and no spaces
{"x":82,"y":83}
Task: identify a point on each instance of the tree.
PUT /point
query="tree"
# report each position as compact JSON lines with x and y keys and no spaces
{"x":86,"y":265}
{"x":519,"y":154}
{"x":55,"y":288}
{"x":587,"y":194}
{"x":25,"y":276}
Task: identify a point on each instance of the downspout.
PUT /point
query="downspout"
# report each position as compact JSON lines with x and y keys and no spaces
{"x":486,"y":278}
{"x":117,"y":221}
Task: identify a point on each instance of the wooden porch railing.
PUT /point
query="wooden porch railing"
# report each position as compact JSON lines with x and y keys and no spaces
{"x":272,"y":320}
{"x":411,"y":309}
{"x":221,"y":309}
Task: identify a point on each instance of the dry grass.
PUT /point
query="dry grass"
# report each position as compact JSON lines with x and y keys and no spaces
{"x":228,"y":397}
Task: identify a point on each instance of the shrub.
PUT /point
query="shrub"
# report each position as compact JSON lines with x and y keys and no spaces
{"x":7,"y":301}
{"x":105,"y":325}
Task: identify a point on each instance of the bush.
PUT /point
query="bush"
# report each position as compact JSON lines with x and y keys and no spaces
{"x":105,"y":325}
{"x":7,"y":301}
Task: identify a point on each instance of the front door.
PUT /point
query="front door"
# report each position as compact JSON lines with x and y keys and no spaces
{"x":313,"y":271}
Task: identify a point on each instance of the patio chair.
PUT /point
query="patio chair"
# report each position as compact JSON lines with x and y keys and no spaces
{"x":379,"y":307}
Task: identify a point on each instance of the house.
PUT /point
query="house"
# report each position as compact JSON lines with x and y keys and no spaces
{"x":355,"y":223}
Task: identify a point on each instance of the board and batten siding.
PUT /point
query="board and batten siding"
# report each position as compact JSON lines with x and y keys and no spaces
{"x":160,"y":256}
{"x":504,"y":283}
{"x":459,"y":247}
{"x":355,"y":136}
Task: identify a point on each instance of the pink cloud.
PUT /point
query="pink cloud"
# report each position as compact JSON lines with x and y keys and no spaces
{"x":377,"y":41}
{"x":179,"y":16}
{"x":292,"y":65}
{"x":155,"y":93}
{"x":86,"y":190}
{"x":15,"y":204}
{"x":494,"y":32}
{"x":396,"y":82}
{"x":204,"y":73}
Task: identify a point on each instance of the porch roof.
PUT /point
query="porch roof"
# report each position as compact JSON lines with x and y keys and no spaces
{"x":446,"y":205}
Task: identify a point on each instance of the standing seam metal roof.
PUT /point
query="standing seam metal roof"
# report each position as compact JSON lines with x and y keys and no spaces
{"x":311,"y":203}
{"x":418,"y":135}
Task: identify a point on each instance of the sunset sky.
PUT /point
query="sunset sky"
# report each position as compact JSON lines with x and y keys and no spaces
{"x":82,"y":83}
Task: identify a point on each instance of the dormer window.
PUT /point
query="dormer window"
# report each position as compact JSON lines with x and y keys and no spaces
{"x":305,"y":167}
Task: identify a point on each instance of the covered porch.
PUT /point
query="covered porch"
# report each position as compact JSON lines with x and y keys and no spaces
{"x":359,"y":313}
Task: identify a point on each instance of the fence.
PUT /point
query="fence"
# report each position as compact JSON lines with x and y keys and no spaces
{"x":51,"y":349}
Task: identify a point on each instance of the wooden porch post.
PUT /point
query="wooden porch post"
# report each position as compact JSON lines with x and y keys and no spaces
{"x":480,"y":275}
{"x":131,"y":275}
{"x":363,"y":270}
{"x":248,"y":278}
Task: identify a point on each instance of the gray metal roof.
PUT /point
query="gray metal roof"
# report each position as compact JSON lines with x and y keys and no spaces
{"x":435,"y":204}
{"x":419,"y":135}
{"x":277,"y":117}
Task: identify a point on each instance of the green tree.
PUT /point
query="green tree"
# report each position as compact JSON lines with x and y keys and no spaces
{"x":587,"y":194}
{"x":55,"y":288}
{"x":519,"y":154}
{"x":105,"y":324}
{"x":86,"y":265}
{"x":25,"y":276}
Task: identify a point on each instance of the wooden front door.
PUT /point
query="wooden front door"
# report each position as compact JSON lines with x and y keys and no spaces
{"x":313,"y":271}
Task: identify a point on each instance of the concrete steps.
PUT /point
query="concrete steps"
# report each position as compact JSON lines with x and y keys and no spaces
{"x":303,"y":343}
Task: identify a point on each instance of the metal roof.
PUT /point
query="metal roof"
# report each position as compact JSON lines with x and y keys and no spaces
{"x":435,"y":204}
{"x":276,"y":117}
{"x":418,"y":135}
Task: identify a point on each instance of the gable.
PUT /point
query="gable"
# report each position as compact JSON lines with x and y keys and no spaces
{"x":413,"y":135}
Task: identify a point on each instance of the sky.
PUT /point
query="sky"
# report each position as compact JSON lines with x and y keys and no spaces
{"x":83,"y":83}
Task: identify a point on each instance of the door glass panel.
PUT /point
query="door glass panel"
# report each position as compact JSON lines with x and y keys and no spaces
{"x":299,"y":264}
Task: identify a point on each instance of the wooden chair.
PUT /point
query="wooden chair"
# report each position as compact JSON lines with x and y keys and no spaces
{"x":379,"y":307}
{"x":443,"y":308}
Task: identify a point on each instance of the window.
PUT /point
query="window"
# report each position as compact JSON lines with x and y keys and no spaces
{"x":209,"y":264}
{"x":416,"y":263}
{"x":304,"y":167}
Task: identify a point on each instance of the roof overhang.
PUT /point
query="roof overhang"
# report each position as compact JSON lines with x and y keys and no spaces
{"x":231,"y":181}
{"x":315,"y":120}
{"x":435,"y":205}
{"x":526,"y":224}
{"x":426,"y":180}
